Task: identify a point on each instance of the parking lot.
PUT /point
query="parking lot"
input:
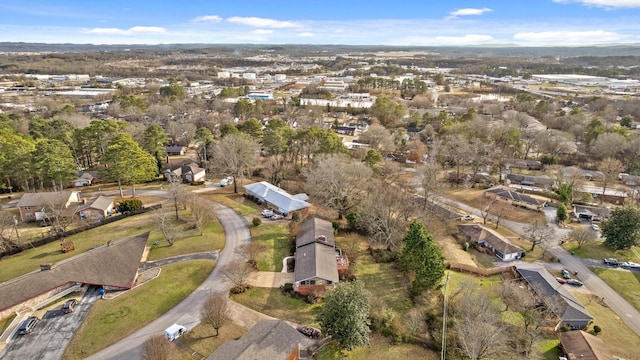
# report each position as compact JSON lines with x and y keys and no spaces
{"x":52,"y":334}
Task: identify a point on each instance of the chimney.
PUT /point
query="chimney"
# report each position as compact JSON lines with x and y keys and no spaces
{"x":322,"y":238}
{"x":84,"y":201}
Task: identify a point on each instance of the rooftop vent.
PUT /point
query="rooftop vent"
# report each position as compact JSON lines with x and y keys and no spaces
{"x":322,"y":238}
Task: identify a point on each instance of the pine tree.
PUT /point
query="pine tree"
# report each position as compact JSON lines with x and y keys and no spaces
{"x":422,"y":258}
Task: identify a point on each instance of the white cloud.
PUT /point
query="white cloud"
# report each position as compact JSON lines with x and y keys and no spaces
{"x":306,"y":34}
{"x":206,"y":18}
{"x":469,"y":11}
{"x":263,"y":22}
{"x":131,"y":31}
{"x":569,"y":37}
{"x":262,"y":32}
{"x":469,"y":39}
{"x":605,"y":3}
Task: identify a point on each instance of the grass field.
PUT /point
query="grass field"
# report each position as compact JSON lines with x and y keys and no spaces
{"x":202,"y":339}
{"x":112,"y":320}
{"x":380,"y":349}
{"x":273,"y":302}
{"x":620,"y":340}
{"x":625,"y":283}
{"x":237,"y":202}
{"x":597,"y":250}
{"x":275,"y":238}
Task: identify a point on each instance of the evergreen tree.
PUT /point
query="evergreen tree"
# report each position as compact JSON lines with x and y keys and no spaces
{"x":622,"y":229}
{"x":562,"y":213}
{"x":53,"y":163}
{"x":127,"y":163}
{"x":345,"y":315}
{"x":154,"y":140}
{"x":422,"y":258}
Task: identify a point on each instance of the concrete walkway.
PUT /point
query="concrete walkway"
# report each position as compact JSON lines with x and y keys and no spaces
{"x":269,"y":279}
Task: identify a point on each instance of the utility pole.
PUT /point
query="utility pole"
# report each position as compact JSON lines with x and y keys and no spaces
{"x":15,"y":226}
{"x":444,"y":321}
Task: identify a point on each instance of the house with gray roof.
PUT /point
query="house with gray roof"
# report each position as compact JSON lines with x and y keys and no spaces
{"x":555,"y":297}
{"x":268,"y":339}
{"x":33,"y":206}
{"x":514,"y":198}
{"x":491,"y":240}
{"x":96,"y":209}
{"x":278,"y":199}
{"x":317,"y":259}
{"x":190,"y":173}
{"x":591,"y":213}
{"x":113,"y":265}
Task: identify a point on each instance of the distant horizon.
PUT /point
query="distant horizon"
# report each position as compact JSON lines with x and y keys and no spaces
{"x":457,"y":23}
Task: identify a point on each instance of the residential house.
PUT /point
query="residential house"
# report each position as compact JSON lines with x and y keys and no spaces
{"x":609,"y":195}
{"x":491,"y":240}
{"x":555,"y":297}
{"x":33,"y":206}
{"x":175,"y":150}
{"x":85,"y":179}
{"x":589,"y":175}
{"x":318,"y":262}
{"x":190,"y":173}
{"x":514,"y":198}
{"x":268,"y":339}
{"x":590,"y":213}
{"x":538,"y":181}
{"x":96,"y":209}
{"x":113,"y":266}
{"x":524,"y":164}
{"x":278,"y":199}
{"x":580,"y":345}
{"x":345,"y":130}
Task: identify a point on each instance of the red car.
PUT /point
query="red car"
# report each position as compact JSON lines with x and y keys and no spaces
{"x":561,"y":280}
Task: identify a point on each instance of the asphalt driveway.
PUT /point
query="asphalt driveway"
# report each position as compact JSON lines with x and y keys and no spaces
{"x":52,"y":334}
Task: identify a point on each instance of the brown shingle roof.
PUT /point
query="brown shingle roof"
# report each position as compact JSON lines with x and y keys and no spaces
{"x":115,"y":265}
{"x":99,"y":203}
{"x":44,"y":198}
{"x":583,"y":346}
{"x":481,"y":233}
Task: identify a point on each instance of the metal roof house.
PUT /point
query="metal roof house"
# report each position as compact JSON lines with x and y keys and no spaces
{"x":278,"y":199}
{"x":492,"y":240}
{"x":317,"y":261}
{"x":556,"y":297}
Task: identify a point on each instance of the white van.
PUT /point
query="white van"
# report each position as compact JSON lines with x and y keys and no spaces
{"x":226,"y":181}
{"x":174,"y":331}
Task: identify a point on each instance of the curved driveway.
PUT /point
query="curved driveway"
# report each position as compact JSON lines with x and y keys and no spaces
{"x":620,"y":306}
{"x":187,"y":312}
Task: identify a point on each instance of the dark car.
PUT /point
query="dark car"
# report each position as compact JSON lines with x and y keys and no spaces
{"x":611,"y":261}
{"x":69,"y":306}
{"x":27,"y":326}
{"x":574,"y":282}
{"x":309,"y":331}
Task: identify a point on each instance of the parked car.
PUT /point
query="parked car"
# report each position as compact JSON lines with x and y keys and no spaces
{"x":630,"y":265}
{"x":226,"y":181}
{"x":69,"y":306}
{"x":276,"y":217}
{"x":574,"y":282}
{"x":595,"y":227}
{"x":565,"y":274}
{"x":174,"y":331}
{"x":309,"y":331}
{"x":561,"y":280}
{"x":611,"y":261}
{"x":267,"y":213}
{"x":27,"y":326}
{"x":468,"y":217}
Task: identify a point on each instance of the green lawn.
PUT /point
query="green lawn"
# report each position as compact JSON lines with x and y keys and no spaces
{"x":237,"y":202}
{"x":191,"y":242}
{"x":620,"y":340}
{"x":625,"y":283}
{"x":112,"y":320}
{"x":597,"y":250}
{"x":273,"y":302}
{"x":202,"y":339}
{"x":4,"y":323}
{"x":380,"y":349}
{"x":549,"y":348}
{"x":275,"y":238}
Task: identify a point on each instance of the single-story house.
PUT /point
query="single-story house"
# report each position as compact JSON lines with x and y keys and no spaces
{"x":514,"y":198}
{"x":85,"y":179}
{"x":589,"y":175}
{"x":524,"y":164}
{"x":318,"y":262}
{"x":540,"y":181}
{"x":268,"y":339}
{"x":580,"y":345}
{"x":345,"y":130}
{"x":175,"y":150}
{"x":114,"y":265}
{"x":610,"y":195}
{"x":190,"y":173}
{"x":555,"y":297}
{"x":96,"y":209}
{"x":590,"y":213}
{"x":33,"y":206}
{"x":278,"y":199}
{"x":492,"y":240}
{"x":630,"y":180}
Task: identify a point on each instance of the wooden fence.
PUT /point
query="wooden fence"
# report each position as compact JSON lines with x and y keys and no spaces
{"x":478,"y":270}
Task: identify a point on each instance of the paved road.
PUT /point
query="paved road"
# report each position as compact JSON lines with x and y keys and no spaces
{"x":620,"y":306}
{"x":52,"y":334}
{"x":187,"y":312}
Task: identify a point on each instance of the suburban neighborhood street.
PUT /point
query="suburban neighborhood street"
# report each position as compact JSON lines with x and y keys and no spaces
{"x":187,"y":312}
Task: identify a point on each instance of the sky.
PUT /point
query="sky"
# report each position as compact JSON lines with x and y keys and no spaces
{"x":350,"y":22}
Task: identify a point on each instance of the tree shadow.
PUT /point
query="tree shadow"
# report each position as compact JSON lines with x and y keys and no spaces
{"x":45,"y":254}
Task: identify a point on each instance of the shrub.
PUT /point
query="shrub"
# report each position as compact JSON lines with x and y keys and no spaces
{"x":129,"y":205}
{"x":296,"y":217}
{"x":287,"y":288}
{"x":336,"y":226}
{"x":239,"y":289}
{"x":256,"y":221}
{"x":382,"y":255}
{"x":597,"y":329}
{"x":352,"y":221}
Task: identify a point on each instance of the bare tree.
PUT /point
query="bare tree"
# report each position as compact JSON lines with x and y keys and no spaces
{"x":384,"y":215}
{"x":429,"y":181}
{"x":8,"y":232}
{"x":379,"y":138}
{"x":168,"y":226}
{"x":60,"y":215}
{"x":234,"y":155}
{"x":479,"y":329}
{"x":177,"y":194}
{"x":415,"y":320}
{"x":158,"y":347}
{"x":214,"y":312}
{"x":338,"y":182}
{"x":610,"y":169}
{"x":486,"y":210}
{"x":251,"y":251}
{"x":238,"y":272}
{"x":202,"y":212}
{"x":582,"y":235}
{"x":537,"y":233}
